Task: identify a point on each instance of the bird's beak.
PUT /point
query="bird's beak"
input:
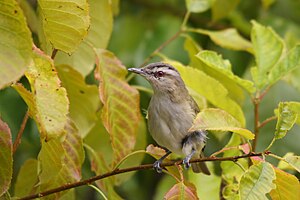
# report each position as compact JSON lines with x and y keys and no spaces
{"x":137,"y":71}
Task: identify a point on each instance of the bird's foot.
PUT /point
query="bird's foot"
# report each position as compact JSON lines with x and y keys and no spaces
{"x":157,"y":166}
{"x":186,"y":162}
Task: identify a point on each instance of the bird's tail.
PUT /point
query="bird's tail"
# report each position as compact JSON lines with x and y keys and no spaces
{"x":200,"y":166}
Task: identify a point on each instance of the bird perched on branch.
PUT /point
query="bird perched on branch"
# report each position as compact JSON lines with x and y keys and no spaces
{"x":170,"y":115}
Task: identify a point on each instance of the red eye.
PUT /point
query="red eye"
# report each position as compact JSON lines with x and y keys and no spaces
{"x":159,"y":74}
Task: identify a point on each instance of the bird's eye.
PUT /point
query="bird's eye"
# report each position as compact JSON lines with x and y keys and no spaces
{"x":159,"y":74}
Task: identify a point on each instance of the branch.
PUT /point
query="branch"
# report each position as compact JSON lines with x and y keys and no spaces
{"x":20,"y":133}
{"x":256,"y":102}
{"x":163,"y":45}
{"x":130,"y":169}
{"x":267,"y":121}
{"x":54,"y":52}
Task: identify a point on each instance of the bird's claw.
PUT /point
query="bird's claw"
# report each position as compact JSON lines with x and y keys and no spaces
{"x":157,"y":166}
{"x":186,"y":163}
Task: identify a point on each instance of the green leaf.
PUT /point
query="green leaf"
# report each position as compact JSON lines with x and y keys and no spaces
{"x":16,"y":43}
{"x":84,"y":99}
{"x":283,"y":165}
{"x":99,"y":166}
{"x":222,"y":70}
{"x":60,"y":161}
{"x":212,"y":185}
{"x":6,"y":166}
{"x":213,"y":119}
{"x":292,"y":78}
{"x":83,"y":59}
{"x":286,"y":120}
{"x":267,"y":3}
{"x":182,"y":191}
{"x":293,"y":161}
{"x":27,"y":178}
{"x":121,"y":110}
{"x":115,"y":7}
{"x":265,"y":42}
{"x":230,"y":170}
{"x":228,"y":38}
{"x":230,"y":192}
{"x":295,"y":107}
{"x":257,"y":181}
{"x":197,"y":6}
{"x":287,"y":186}
{"x":221,"y":8}
{"x":290,"y":62}
{"x":99,"y":140}
{"x":192,"y":48}
{"x":65,"y":23}
{"x":48,"y":102}
{"x":210,"y":88}
{"x":136,"y":159}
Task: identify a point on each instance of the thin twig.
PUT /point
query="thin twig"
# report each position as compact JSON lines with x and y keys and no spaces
{"x":54,"y":52}
{"x":267,"y":121}
{"x":163,"y":45}
{"x":20,"y":133}
{"x":130,"y":169}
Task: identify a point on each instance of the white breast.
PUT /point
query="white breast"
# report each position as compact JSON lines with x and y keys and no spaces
{"x":168,"y":122}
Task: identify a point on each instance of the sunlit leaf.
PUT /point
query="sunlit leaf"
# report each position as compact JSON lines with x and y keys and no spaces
{"x":6,"y":164}
{"x":228,"y":38}
{"x":222,"y":69}
{"x":99,"y":166}
{"x":210,"y":88}
{"x":136,"y":159}
{"x":65,"y":23}
{"x":48,"y":103}
{"x":84,"y":99}
{"x":286,"y":120}
{"x":16,"y":43}
{"x":290,"y":62}
{"x":30,"y":15}
{"x":257,"y":181}
{"x":60,"y":160}
{"x":287,"y":186}
{"x":182,"y":191}
{"x":218,"y":120}
{"x":115,"y":6}
{"x":121,"y":110}
{"x":197,"y":6}
{"x":283,"y":165}
{"x":221,"y":8}
{"x":192,"y":48}
{"x":293,"y":161}
{"x":27,"y":178}
{"x":83,"y":59}
{"x":265,"y":42}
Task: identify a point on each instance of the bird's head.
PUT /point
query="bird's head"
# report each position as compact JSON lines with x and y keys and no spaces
{"x":162,"y":76}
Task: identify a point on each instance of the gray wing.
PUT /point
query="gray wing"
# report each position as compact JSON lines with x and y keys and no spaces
{"x":194,"y":105}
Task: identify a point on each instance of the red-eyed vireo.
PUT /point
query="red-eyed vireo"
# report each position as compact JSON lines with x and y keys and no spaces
{"x":170,"y":115}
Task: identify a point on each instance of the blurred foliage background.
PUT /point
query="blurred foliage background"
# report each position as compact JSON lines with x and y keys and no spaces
{"x":140,"y":26}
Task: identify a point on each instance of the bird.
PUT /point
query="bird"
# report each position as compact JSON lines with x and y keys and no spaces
{"x":171,"y":113}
